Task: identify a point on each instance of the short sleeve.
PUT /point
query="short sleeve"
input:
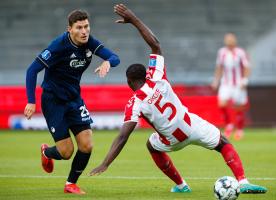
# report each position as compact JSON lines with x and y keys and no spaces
{"x":94,"y":44}
{"x":244,"y":59}
{"x":132,"y":110}
{"x":156,"y":68}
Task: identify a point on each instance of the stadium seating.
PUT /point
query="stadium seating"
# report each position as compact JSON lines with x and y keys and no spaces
{"x":190,"y":32}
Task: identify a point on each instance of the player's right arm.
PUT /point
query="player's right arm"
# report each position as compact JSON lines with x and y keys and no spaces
{"x":31,"y":77}
{"x":116,"y":147}
{"x":129,"y":17}
{"x":46,"y":59}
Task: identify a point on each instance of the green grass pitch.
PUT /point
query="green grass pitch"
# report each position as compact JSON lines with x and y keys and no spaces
{"x":133,"y":174}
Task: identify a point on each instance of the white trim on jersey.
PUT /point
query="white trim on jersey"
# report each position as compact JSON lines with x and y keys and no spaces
{"x":43,"y":62}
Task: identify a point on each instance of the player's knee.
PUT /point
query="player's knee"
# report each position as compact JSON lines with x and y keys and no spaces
{"x":223,"y":141}
{"x":222,"y":103}
{"x":67,"y":153}
{"x":149,"y":147}
{"x":86,"y":148}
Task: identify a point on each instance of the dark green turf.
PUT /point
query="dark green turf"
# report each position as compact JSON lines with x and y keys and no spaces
{"x":133,"y":175}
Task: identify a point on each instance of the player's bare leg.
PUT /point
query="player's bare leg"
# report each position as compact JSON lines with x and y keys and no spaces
{"x":165,"y":164}
{"x":233,"y":160}
{"x":62,"y":151}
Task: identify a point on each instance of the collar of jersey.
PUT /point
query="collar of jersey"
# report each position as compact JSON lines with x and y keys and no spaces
{"x":70,"y":40}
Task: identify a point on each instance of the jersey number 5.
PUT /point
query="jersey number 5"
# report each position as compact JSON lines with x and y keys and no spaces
{"x":164,"y":107}
{"x":178,"y":133}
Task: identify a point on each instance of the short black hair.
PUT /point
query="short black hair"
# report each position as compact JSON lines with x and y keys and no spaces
{"x":136,"y":72}
{"x":77,"y":15}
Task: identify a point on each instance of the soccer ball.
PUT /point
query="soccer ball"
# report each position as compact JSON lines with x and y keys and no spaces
{"x":226,"y":188}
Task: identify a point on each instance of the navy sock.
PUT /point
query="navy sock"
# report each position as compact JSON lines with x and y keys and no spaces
{"x":78,"y":165}
{"x":52,"y":152}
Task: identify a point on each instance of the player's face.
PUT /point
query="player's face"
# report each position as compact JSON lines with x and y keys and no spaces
{"x":230,"y":40}
{"x":79,"y":32}
{"x":130,"y":84}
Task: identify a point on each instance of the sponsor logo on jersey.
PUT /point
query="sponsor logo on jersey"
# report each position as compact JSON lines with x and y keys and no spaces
{"x":154,"y":96}
{"x":46,"y":54}
{"x":77,"y":63}
{"x":152,"y":61}
{"x":88,"y":53}
{"x":73,"y":56}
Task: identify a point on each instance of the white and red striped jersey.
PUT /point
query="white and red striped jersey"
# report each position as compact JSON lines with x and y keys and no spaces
{"x":157,"y":103}
{"x":233,"y":63}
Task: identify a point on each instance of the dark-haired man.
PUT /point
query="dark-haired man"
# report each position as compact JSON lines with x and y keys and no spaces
{"x":64,"y":61}
{"x":175,"y":126}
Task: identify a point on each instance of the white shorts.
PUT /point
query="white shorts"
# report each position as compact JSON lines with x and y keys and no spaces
{"x":203,"y":134}
{"x":234,"y":93}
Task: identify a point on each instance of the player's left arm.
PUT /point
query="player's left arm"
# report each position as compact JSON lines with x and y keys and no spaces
{"x":116,"y":147}
{"x":109,"y":57}
{"x":128,"y":16}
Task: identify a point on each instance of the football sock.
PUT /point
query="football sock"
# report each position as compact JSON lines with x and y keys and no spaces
{"x":240,"y":119}
{"x":232,"y":159}
{"x":163,"y":161}
{"x":243,"y":181}
{"x":226,"y":115}
{"x":78,"y":165}
{"x":52,"y":152}
{"x":182,"y":185}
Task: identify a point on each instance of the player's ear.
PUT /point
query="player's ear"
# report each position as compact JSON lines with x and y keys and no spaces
{"x":69,"y":28}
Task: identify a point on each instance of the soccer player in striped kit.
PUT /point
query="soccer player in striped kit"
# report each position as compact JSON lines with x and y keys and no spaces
{"x":231,"y":80}
{"x":175,"y":127}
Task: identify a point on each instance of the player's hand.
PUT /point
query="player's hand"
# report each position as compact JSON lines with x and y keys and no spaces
{"x":98,"y":170}
{"x":244,"y":83}
{"x":103,"y":69}
{"x":29,"y":110}
{"x":125,"y":13}
{"x":215,"y":85}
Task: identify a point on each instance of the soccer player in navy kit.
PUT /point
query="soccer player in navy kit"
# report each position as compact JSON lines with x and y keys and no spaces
{"x":64,"y":61}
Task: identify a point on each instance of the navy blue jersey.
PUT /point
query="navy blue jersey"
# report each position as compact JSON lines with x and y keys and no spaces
{"x":64,"y":63}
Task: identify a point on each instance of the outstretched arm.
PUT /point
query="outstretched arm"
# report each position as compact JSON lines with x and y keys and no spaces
{"x":129,"y":17}
{"x":117,"y":145}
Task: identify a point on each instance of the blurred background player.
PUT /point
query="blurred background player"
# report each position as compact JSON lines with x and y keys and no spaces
{"x":64,"y":61}
{"x":175,"y":126}
{"x":231,"y":80}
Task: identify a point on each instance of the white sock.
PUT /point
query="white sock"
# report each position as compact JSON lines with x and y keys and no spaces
{"x":67,"y":183}
{"x":244,"y":181}
{"x":182,"y":185}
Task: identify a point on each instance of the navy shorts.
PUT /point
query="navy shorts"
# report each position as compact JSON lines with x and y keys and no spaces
{"x":62,"y":116}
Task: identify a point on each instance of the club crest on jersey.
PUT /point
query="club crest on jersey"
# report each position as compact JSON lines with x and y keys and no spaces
{"x":46,"y":54}
{"x":88,"y":53}
{"x":152,"y":62}
{"x":77,"y":63}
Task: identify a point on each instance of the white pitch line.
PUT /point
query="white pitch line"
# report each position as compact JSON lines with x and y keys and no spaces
{"x":129,"y":177}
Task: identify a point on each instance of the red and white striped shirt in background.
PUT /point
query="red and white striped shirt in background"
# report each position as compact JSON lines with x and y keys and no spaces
{"x":157,"y":103}
{"x":233,"y":62}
